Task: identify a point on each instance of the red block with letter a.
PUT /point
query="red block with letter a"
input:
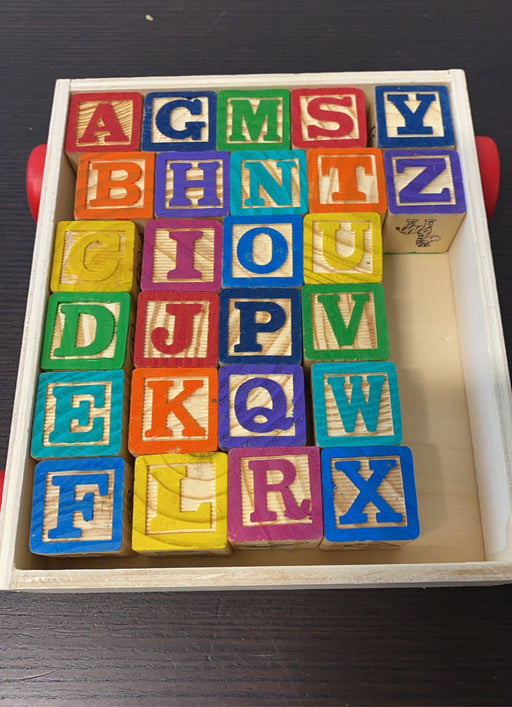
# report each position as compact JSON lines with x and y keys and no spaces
{"x":328,"y":117}
{"x":103,"y":122}
{"x":115,"y":185}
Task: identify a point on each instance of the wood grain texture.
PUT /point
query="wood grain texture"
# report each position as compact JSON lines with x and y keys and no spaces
{"x":87,"y":330}
{"x":176,"y":329}
{"x":180,"y":504}
{"x":328,"y":117}
{"x":173,"y":410}
{"x":426,"y":201}
{"x":103,"y":122}
{"x":356,"y":404}
{"x":274,"y":497}
{"x":312,"y":647}
{"x":96,"y":256}
{"x":268,"y":182}
{"x":342,"y":247}
{"x":344,"y":323}
{"x":82,"y":507}
{"x":252,"y":119}
{"x":182,"y":253}
{"x":413,"y":117}
{"x":369,"y":497}
{"x":346,"y":179}
{"x":115,"y":185}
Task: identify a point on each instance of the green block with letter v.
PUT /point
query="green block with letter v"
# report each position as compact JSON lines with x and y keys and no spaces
{"x":344,"y":322}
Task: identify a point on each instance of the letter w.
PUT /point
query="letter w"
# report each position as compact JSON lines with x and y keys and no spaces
{"x":348,"y":409}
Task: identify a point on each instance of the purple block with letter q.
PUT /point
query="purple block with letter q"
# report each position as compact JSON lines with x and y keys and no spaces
{"x":261,"y":405}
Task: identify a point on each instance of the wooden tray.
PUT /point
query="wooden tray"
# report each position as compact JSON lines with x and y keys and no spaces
{"x":445,"y":339}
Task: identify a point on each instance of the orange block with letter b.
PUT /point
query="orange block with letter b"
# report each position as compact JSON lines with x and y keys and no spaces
{"x":115,"y":185}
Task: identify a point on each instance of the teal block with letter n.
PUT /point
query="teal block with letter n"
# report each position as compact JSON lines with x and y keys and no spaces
{"x":355,"y":404}
{"x":268,"y":182}
{"x":81,"y":507}
{"x":79,"y":414}
{"x":369,"y":497}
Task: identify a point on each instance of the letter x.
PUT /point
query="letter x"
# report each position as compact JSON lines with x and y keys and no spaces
{"x":368,"y":491}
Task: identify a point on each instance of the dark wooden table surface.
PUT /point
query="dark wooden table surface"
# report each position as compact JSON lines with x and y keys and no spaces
{"x":445,"y":646}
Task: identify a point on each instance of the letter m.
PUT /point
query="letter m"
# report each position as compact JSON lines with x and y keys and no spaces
{"x":264,"y":117}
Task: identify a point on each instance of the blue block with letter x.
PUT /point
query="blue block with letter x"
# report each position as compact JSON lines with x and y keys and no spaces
{"x":369,"y":495}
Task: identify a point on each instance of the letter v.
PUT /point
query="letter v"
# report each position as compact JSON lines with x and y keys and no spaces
{"x":344,"y":333}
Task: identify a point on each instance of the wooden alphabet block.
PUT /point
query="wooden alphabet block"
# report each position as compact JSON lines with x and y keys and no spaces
{"x":179,"y":121}
{"x":268,"y":182}
{"x":346,"y":179}
{"x":328,"y":117}
{"x":87,"y":330}
{"x":176,"y":329}
{"x":115,"y":185}
{"x":344,"y":323}
{"x":260,"y":325}
{"x":342,"y":248}
{"x":356,"y":404}
{"x":261,"y":406}
{"x":426,"y":202}
{"x":249,"y":119}
{"x":413,"y":117}
{"x":260,"y":251}
{"x":80,"y":414}
{"x":274,"y":497}
{"x":99,"y":256}
{"x":81,"y":507}
{"x":173,"y":410}
{"x":192,"y":184}
{"x":183,"y":254}
{"x":369,"y":497}
{"x":180,"y":504}
{"x":103,"y":122}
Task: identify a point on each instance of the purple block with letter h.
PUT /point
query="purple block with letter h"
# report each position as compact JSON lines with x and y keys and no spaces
{"x":191,"y":184}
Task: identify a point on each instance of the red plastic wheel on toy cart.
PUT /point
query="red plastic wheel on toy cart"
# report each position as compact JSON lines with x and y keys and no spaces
{"x":489,"y":163}
{"x":34,"y":178}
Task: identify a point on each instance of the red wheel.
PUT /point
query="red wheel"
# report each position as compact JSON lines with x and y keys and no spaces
{"x":34,"y":178}
{"x":489,"y":163}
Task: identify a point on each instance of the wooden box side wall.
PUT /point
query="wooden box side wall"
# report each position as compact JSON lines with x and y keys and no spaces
{"x":482,"y":344}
